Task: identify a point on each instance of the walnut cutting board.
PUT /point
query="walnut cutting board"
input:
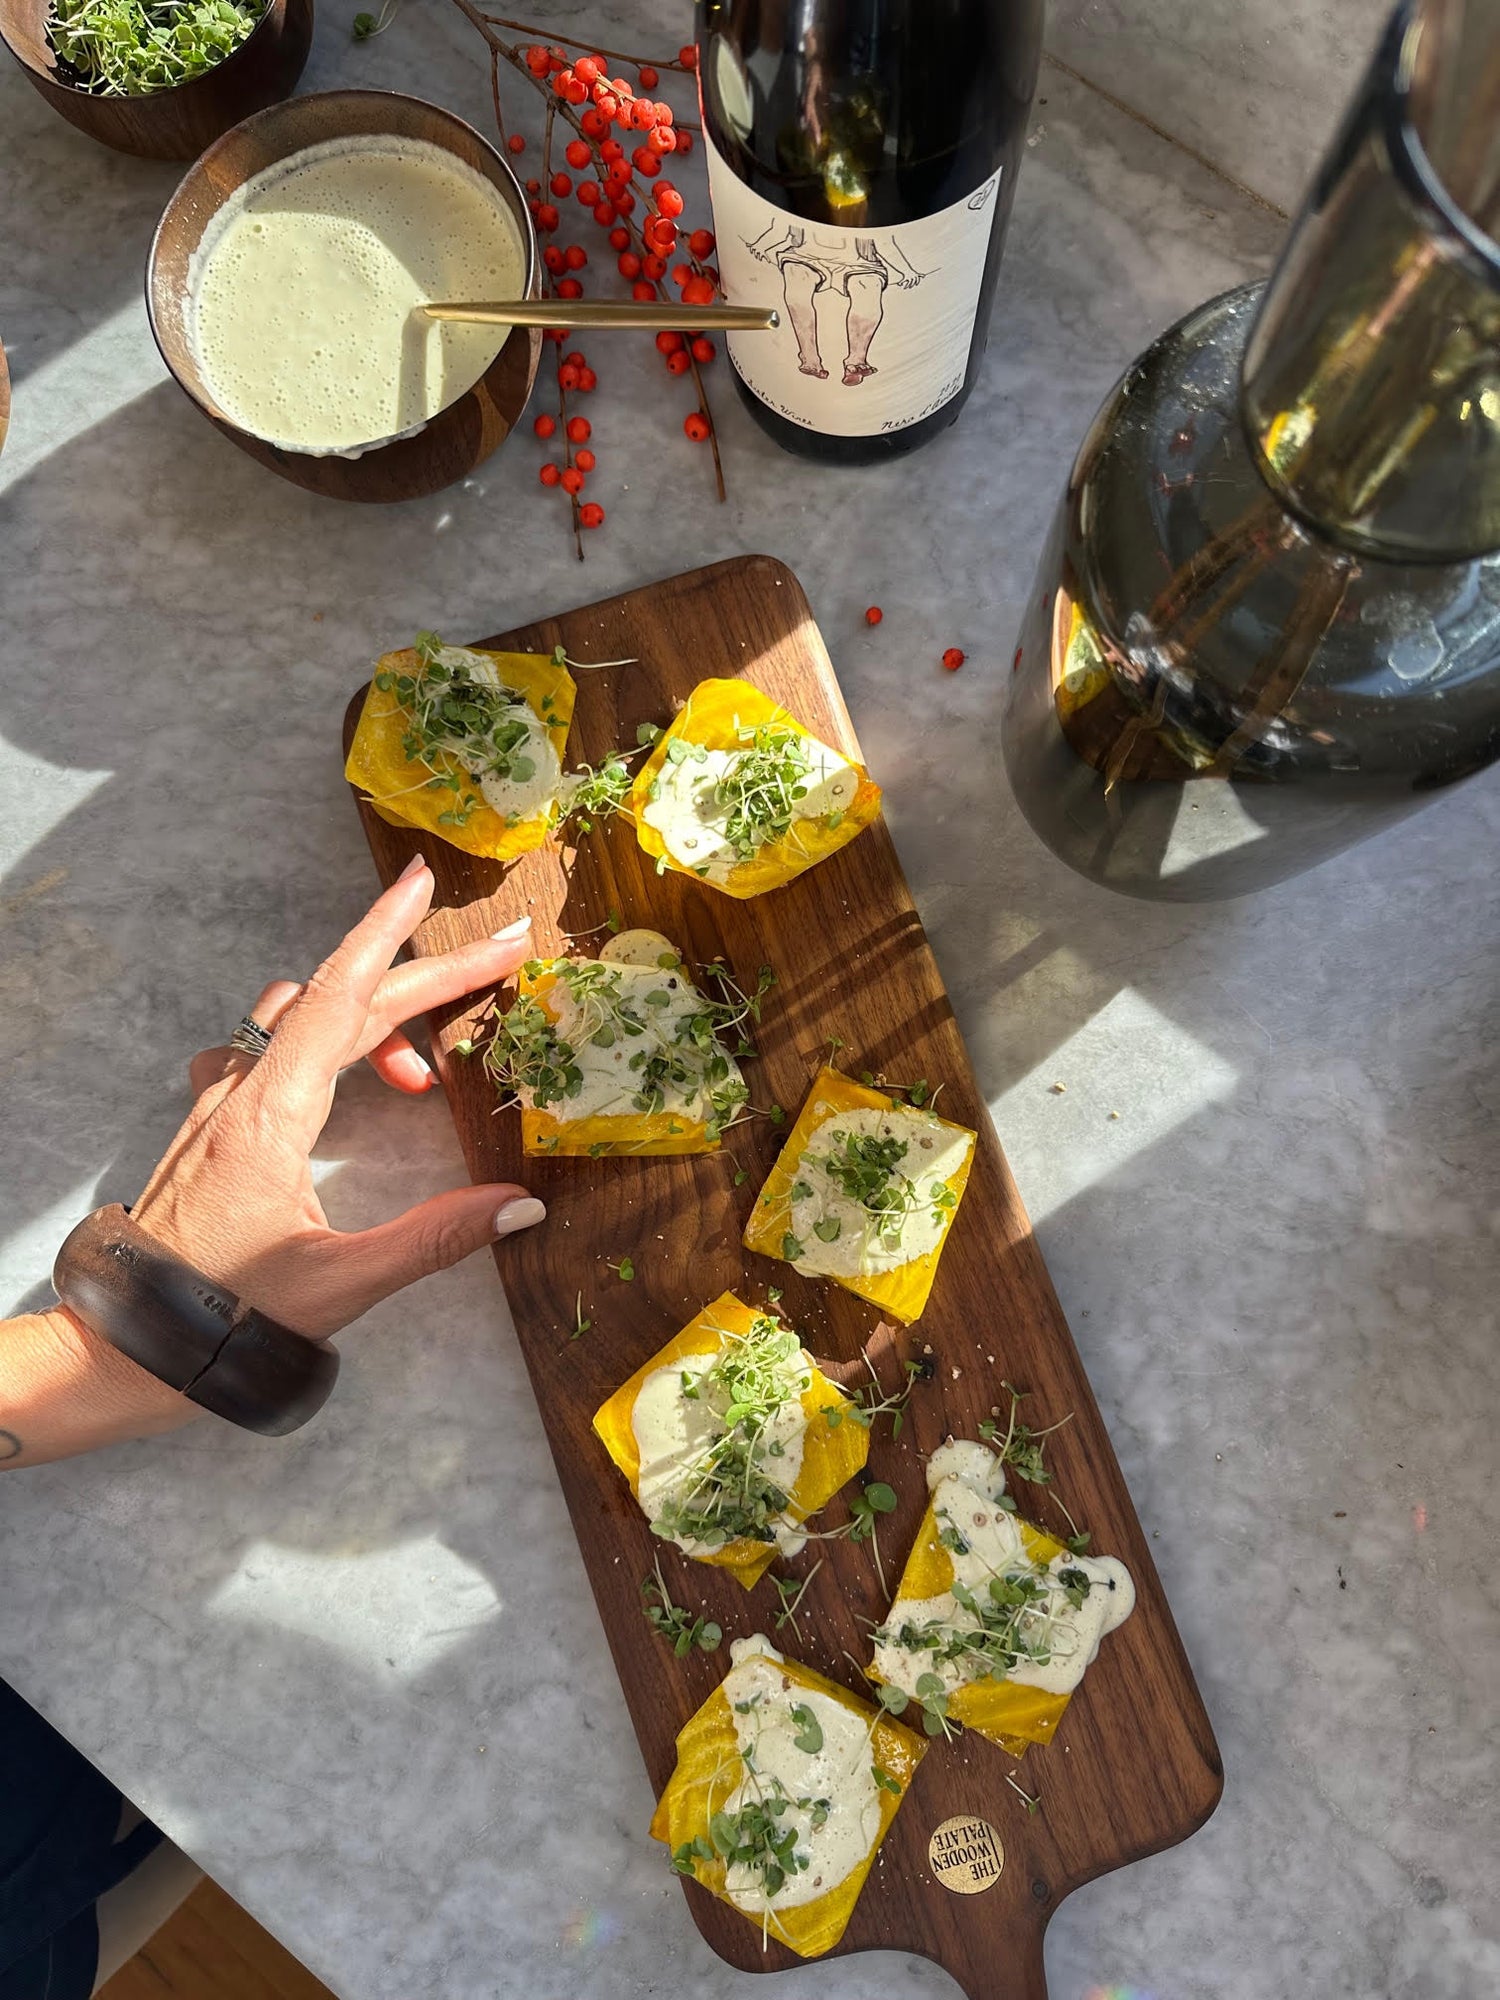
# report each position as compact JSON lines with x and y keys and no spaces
{"x":1134,"y":1766}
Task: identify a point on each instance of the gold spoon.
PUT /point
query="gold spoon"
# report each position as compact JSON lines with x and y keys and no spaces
{"x":588,"y":315}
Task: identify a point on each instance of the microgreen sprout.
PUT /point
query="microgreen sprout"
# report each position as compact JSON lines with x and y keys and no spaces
{"x":580,"y":1324}
{"x":869,"y":1402}
{"x":561,"y":658}
{"x":1032,"y":1804}
{"x":866,"y":1505}
{"x":672,"y":1622}
{"x":624,"y":1270}
{"x":364,"y":26}
{"x":791,"y":1590}
{"x":1023,"y":1450}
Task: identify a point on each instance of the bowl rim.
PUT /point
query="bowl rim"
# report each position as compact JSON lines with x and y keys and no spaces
{"x":265,"y":114}
{"x":174,"y":92}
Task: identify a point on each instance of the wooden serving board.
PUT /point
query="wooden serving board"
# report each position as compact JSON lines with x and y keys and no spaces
{"x":1134,"y":1766}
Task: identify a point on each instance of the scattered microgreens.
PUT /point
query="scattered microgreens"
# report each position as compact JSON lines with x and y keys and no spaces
{"x":754,"y":1839}
{"x":917,"y":1094}
{"x":868,"y":1403}
{"x":673,"y":1622}
{"x":561,"y":658}
{"x":884,"y":1779}
{"x":589,"y":794}
{"x":866,"y":1505}
{"x":1022,"y":1449}
{"x":791,"y":1590}
{"x":1033,"y":1805}
{"x":580,"y":1324}
{"x":731,"y":1491}
{"x":367,"y":25}
{"x":131,"y":48}
{"x":624,"y":1270}
{"x":684,"y":1063}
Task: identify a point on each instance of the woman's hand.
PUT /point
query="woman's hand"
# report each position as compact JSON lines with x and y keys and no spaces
{"x":234,"y":1194}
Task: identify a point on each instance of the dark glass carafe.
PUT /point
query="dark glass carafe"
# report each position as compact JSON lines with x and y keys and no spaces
{"x":1267,"y":621}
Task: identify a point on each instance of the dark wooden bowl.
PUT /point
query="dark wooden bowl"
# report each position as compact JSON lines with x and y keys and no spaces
{"x":450,"y":444}
{"x":169,"y":124}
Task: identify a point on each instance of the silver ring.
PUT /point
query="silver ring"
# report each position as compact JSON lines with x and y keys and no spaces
{"x":250,"y":1039}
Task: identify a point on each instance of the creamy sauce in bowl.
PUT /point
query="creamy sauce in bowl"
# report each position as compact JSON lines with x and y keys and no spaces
{"x":304,"y":292}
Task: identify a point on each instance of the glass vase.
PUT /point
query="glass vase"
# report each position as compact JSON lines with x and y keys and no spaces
{"x":1267,"y":620}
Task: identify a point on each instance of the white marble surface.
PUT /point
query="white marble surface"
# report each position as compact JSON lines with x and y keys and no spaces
{"x":358,"y":1673}
{"x":1256,"y":86}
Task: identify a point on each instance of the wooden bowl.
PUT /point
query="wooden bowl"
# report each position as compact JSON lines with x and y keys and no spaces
{"x":450,"y":444}
{"x":169,"y":124}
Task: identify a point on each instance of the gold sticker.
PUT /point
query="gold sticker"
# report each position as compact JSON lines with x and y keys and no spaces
{"x":965,"y":1855}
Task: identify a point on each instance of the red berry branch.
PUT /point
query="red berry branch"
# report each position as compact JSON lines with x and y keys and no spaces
{"x":640,"y":213}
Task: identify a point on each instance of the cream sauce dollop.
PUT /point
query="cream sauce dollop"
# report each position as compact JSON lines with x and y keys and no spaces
{"x":863,"y":1243}
{"x":513,"y":798}
{"x":838,"y":1777}
{"x":676,"y":1431}
{"x":662,"y":998}
{"x":691,"y":819}
{"x":967,"y":1481}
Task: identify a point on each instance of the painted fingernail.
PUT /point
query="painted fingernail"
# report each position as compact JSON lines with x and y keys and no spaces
{"x":413,"y":867}
{"x":522,"y":1213}
{"x":518,"y":929}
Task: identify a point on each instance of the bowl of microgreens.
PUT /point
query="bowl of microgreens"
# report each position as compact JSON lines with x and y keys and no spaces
{"x":160,"y":78}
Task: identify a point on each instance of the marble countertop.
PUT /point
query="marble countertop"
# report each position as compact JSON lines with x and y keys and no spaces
{"x":358,"y":1673}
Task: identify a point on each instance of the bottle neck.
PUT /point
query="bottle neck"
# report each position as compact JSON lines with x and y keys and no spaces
{"x":1370,"y":388}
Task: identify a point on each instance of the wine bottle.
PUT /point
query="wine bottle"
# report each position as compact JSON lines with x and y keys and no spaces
{"x":862,"y":161}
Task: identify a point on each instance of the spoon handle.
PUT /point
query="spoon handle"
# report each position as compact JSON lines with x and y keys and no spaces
{"x":589,"y":314}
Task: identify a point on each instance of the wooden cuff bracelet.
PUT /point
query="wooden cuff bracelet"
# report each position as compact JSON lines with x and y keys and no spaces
{"x":188,"y":1332}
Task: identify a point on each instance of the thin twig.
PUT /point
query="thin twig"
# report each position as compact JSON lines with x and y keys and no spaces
{"x":708,"y":416}
{"x":495,"y":90}
{"x":589,"y":48}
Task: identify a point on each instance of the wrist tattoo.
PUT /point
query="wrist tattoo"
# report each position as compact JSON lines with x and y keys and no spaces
{"x":10,"y":1446}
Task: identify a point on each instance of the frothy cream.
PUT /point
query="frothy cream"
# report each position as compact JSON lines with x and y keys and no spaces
{"x":305,"y":289}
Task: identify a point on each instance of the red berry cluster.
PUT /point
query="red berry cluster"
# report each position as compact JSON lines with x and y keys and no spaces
{"x":610,"y":114}
{"x":612,"y":166}
{"x":573,"y":375}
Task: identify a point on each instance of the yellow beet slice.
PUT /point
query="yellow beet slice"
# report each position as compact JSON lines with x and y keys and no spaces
{"x":1007,"y":1712}
{"x":711,"y":718}
{"x":395,"y":784}
{"x":903,"y":1291}
{"x":831,"y":1454}
{"x":707,"y":1747}
{"x":645,"y":1133}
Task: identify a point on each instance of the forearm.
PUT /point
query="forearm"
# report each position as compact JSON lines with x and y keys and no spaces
{"x":63,"y":1390}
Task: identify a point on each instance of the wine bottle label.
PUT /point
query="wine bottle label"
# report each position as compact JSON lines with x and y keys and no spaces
{"x":876,"y":323}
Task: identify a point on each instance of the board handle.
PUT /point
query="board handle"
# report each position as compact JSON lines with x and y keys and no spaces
{"x":1014,"y":1971}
